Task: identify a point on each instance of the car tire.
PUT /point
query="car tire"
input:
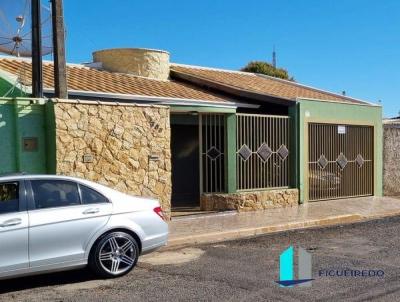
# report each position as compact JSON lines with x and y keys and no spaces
{"x":114,"y":255}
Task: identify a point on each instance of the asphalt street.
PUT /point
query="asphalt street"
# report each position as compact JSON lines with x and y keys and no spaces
{"x":241,"y":270}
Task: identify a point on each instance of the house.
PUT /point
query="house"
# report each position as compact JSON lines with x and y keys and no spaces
{"x":195,"y":137}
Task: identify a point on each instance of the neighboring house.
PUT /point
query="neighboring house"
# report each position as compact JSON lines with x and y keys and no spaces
{"x":192,"y":136}
{"x":391,"y":156}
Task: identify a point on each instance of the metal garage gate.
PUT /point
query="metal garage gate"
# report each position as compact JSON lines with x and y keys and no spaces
{"x":340,"y":161}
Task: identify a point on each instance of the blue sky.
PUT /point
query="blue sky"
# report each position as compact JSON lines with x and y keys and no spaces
{"x":334,"y":45}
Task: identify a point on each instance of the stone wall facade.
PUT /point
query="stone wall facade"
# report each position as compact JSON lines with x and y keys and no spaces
{"x":250,"y":201}
{"x":150,"y":63}
{"x":126,"y":147}
{"x":391,"y":159}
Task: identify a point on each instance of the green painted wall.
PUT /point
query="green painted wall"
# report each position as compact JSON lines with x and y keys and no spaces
{"x":31,"y":123}
{"x":294,"y":147}
{"x":22,"y":118}
{"x":7,"y":134}
{"x":338,"y":113}
{"x":5,"y":88}
{"x":51,"y":161}
{"x":230,"y":160}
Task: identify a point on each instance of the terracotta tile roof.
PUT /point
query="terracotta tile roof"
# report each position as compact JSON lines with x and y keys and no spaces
{"x":83,"y":78}
{"x":260,"y":84}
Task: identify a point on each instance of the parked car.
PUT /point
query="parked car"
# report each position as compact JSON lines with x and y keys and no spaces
{"x":324,"y":181}
{"x":52,"y":223}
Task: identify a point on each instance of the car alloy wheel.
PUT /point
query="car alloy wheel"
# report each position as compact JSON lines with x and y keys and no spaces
{"x":116,"y":254}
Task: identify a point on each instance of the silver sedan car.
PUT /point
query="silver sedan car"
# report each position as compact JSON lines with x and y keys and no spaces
{"x":52,"y":223}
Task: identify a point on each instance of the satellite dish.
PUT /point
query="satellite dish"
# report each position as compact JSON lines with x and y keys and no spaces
{"x":16,"y":28}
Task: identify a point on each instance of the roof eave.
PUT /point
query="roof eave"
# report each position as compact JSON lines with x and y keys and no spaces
{"x":336,"y":95}
{"x":231,"y":90}
{"x":361,"y":103}
{"x":148,"y":99}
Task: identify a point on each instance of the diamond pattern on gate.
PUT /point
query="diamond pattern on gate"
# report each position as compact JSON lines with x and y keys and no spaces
{"x":283,"y":152}
{"x":213,"y":153}
{"x":359,"y":160}
{"x":322,"y":161}
{"x":342,"y":161}
{"x":245,"y":152}
{"x":264,"y":152}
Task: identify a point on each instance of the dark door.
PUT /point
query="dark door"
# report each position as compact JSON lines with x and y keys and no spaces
{"x":185,"y":165}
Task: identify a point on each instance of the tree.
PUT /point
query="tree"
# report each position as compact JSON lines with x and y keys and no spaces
{"x":267,"y":69}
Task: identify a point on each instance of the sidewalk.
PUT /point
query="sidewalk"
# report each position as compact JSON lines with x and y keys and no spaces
{"x":233,"y":225}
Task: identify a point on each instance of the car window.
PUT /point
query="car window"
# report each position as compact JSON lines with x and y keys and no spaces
{"x":91,"y":196}
{"x":55,"y":193}
{"x":9,"y":199}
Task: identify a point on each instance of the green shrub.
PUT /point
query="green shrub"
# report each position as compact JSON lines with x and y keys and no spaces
{"x":267,"y":69}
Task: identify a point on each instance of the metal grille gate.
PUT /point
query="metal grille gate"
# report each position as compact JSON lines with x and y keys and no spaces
{"x":340,"y":161}
{"x":262,"y":151}
{"x":212,"y":152}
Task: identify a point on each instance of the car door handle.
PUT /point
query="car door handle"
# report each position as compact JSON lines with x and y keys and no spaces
{"x":11,"y":222}
{"x":91,"y":211}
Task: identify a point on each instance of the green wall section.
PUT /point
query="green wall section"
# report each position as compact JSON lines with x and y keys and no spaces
{"x":19,"y":119}
{"x":294,"y":147}
{"x":5,"y":88}
{"x":230,"y":165}
{"x":31,"y":123}
{"x":309,"y":111}
{"x":8,"y":162}
{"x":51,"y":161}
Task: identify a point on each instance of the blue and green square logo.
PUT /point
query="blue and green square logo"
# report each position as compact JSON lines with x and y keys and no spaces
{"x":286,"y":268}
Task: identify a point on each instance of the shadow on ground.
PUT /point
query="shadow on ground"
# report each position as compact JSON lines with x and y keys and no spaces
{"x":60,"y":278}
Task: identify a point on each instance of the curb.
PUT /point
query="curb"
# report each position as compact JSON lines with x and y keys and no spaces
{"x":382,"y":215}
{"x":249,"y":232}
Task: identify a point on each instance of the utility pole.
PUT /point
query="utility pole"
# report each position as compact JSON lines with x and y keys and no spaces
{"x":60,"y":66}
{"x":37,"y":76}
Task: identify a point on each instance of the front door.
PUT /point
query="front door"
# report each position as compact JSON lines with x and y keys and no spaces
{"x":185,"y":162}
{"x":13,"y":228}
{"x":63,"y":221}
